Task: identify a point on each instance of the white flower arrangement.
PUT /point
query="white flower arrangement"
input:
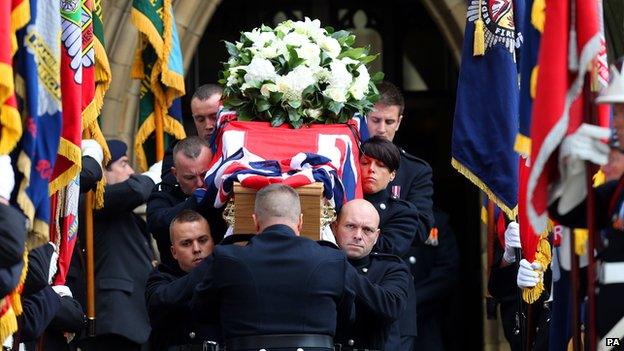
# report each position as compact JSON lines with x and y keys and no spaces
{"x":298,"y":73}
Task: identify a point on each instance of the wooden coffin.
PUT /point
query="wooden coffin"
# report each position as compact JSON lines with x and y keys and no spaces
{"x":311,"y":197}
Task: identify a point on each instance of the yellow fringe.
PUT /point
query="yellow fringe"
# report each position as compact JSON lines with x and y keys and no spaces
{"x":169,"y":78}
{"x":20,"y":16}
{"x":39,"y":235}
{"x":8,"y":321}
{"x":16,"y":300}
{"x":11,"y":122}
{"x":137,"y":70}
{"x":534,"y":73}
{"x":6,"y":81}
{"x":146,"y":27}
{"x":484,"y":215}
{"x":544,"y":257}
{"x":538,"y":15}
{"x":580,"y":241}
{"x":170,"y":126}
{"x":73,"y":153}
{"x":510,"y":212}
{"x":599,"y":178}
{"x":523,"y":145}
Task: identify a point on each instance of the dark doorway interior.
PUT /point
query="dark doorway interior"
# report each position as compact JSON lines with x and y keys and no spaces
{"x":411,"y":43}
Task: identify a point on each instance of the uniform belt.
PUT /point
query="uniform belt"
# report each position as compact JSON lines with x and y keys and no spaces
{"x":611,"y":272}
{"x":205,"y":346}
{"x":279,"y":340}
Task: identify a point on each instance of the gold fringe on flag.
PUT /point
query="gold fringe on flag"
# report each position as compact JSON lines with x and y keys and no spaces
{"x":11,"y":305}
{"x":73,"y":153}
{"x":544,"y":257}
{"x":511,"y":213}
{"x":170,"y":125}
{"x":538,"y":15}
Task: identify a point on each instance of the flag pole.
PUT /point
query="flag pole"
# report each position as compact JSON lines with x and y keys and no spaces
{"x":591,"y":118}
{"x":160,"y":142}
{"x":90,"y":269}
{"x":574,"y":281}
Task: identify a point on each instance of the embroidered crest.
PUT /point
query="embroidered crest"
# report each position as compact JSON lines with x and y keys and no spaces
{"x":498,"y":17}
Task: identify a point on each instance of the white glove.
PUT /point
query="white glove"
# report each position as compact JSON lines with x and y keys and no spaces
{"x":62,"y":290}
{"x":154,"y":172}
{"x":529,"y":274}
{"x":7,"y":180}
{"x":512,"y":242}
{"x":53,"y":264}
{"x":91,"y":148}
{"x":583,"y":145}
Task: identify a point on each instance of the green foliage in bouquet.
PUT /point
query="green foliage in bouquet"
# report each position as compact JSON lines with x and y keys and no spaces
{"x":298,"y":73}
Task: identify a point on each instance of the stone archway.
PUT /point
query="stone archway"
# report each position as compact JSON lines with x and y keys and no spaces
{"x":192,"y":17}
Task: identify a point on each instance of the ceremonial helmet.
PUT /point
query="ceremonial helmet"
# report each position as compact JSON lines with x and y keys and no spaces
{"x":614,"y":94}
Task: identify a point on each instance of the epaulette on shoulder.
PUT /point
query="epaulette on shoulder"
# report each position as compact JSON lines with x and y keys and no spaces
{"x":385,"y":256}
{"x":327,"y":244}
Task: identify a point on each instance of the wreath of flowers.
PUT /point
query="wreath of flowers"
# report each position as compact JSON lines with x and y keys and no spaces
{"x":298,"y":73}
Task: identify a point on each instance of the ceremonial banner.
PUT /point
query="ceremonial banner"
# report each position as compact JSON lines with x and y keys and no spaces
{"x":486,"y":112}
{"x":13,"y":15}
{"x":558,"y":104}
{"x":159,"y":65}
{"x":38,"y":87}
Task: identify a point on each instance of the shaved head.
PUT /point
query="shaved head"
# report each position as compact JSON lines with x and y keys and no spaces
{"x":357,"y":228}
{"x":277,"y":204}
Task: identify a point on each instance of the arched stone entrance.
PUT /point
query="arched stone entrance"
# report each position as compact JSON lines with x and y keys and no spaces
{"x":192,"y":17}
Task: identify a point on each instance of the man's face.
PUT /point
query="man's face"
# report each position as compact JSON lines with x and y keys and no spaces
{"x":384,"y":121}
{"x":120,"y":171}
{"x":614,"y":169}
{"x":205,"y":115}
{"x":375,"y":175}
{"x":356,"y":230}
{"x":190,"y":172}
{"x":618,"y":122}
{"x":191,"y":243}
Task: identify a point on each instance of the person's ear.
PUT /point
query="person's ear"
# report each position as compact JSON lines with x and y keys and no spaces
{"x":399,"y":121}
{"x":256,"y":223}
{"x":300,"y":224}
{"x":392,"y":175}
{"x":173,"y":170}
{"x":173,"y":252}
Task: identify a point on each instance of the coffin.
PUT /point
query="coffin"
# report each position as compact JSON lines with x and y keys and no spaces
{"x":311,"y":197}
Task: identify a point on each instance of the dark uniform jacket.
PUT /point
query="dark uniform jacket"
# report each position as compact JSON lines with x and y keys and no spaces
{"x":123,"y":259}
{"x":609,"y":199}
{"x":165,"y":202}
{"x":398,"y":220}
{"x":168,"y":294}
{"x":379,"y":305}
{"x":436,"y":272}
{"x":279,"y":283}
{"x":12,"y":236}
{"x":414,"y":178}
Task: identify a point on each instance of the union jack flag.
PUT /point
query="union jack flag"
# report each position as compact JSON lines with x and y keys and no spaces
{"x":256,"y":154}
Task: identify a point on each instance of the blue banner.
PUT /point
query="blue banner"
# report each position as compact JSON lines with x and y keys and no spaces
{"x":486,"y":112}
{"x":38,"y":67}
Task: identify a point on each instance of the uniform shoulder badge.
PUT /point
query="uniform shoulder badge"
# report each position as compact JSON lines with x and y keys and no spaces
{"x":498,"y":17}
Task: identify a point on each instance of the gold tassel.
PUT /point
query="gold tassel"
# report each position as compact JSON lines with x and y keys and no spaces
{"x":538,"y":15}
{"x":580,"y":241}
{"x":479,"y":39}
{"x":543,"y":257}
